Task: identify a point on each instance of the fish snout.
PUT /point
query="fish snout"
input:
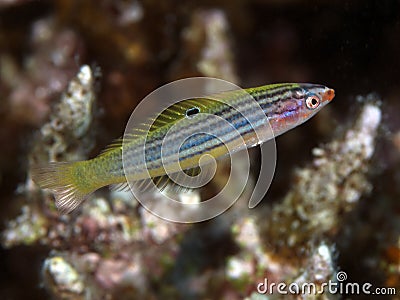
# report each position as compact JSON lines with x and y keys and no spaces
{"x":328,"y":95}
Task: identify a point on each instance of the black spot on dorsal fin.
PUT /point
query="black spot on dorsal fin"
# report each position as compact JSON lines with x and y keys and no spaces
{"x":192,"y":111}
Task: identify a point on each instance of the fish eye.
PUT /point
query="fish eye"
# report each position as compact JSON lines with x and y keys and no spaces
{"x":312,"y":102}
{"x":192,"y":111}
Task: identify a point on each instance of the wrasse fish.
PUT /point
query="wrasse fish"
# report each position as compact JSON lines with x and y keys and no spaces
{"x":285,"y":106}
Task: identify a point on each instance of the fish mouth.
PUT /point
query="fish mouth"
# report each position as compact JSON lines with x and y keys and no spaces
{"x":329,"y":95}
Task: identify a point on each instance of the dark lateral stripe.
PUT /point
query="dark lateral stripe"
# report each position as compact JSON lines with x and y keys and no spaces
{"x":244,"y":127}
{"x":266,"y":99}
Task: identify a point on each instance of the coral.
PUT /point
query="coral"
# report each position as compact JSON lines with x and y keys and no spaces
{"x":293,"y":243}
{"x":109,"y":247}
{"x":65,"y":135}
{"x":36,"y":64}
{"x":46,"y":71}
{"x":28,"y":228}
{"x":207,"y":47}
{"x":100,"y":234}
{"x":119,"y":26}
{"x":323,"y":191}
{"x":61,"y":279}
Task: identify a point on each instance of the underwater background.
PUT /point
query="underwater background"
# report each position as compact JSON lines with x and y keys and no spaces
{"x":333,"y":206}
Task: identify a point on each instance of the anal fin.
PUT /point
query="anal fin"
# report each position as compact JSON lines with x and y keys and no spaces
{"x":167,"y":183}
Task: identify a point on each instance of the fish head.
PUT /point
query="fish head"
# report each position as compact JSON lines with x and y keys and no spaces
{"x":309,"y":99}
{"x":299,"y":105}
{"x":313,"y":98}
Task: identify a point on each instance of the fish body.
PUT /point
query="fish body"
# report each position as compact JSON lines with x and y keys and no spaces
{"x":204,"y":125}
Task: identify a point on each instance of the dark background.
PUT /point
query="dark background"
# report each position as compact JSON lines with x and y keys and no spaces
{"x":351,"y":46}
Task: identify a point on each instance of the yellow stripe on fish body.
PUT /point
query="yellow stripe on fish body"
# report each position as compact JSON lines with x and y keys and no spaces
{"x":284,"y":105}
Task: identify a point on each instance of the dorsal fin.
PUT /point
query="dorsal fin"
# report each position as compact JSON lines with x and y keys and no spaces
{"x":178,"y":111}
{"x":170,"y":115}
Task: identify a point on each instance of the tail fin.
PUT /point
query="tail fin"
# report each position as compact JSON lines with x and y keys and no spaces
{"x":60,"y":178}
